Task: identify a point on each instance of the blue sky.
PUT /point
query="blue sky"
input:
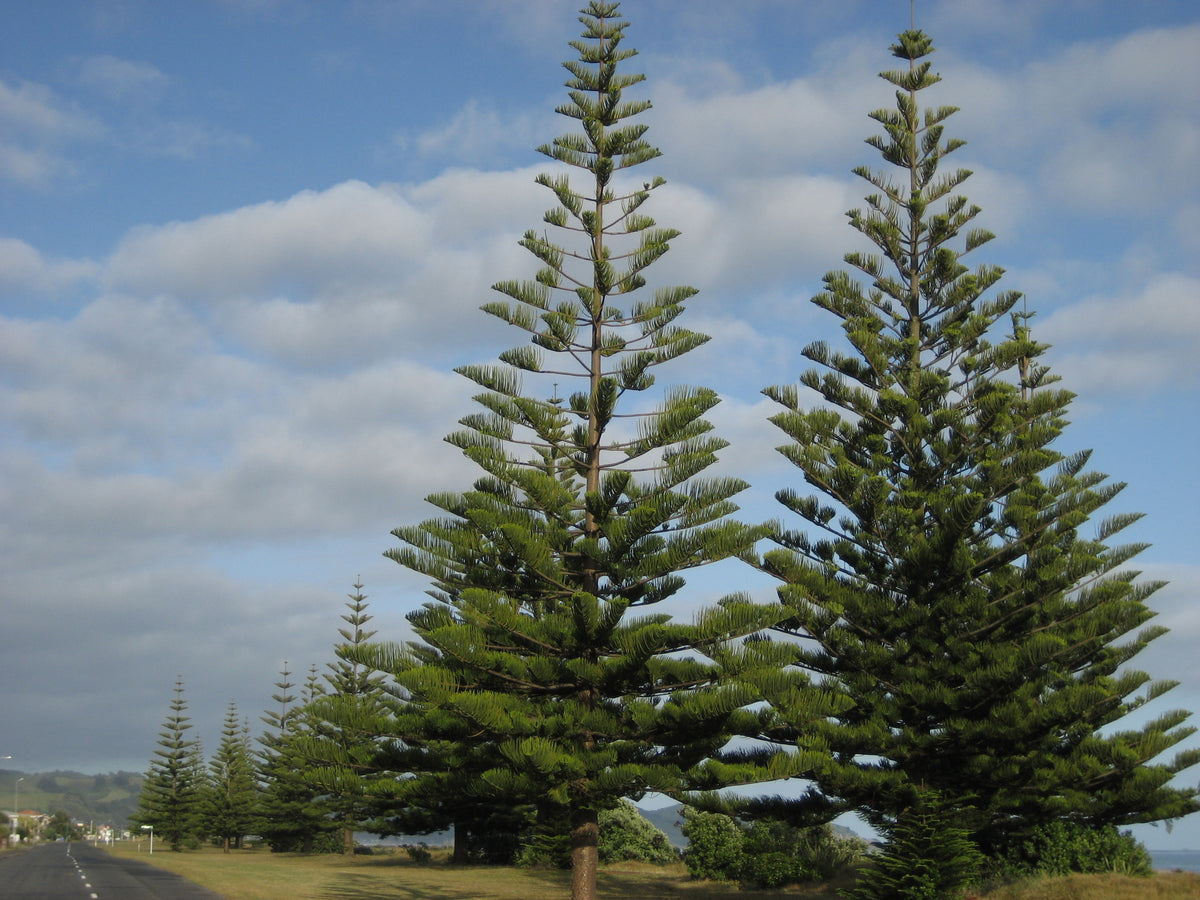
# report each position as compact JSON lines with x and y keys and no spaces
{"x":243,"y":244}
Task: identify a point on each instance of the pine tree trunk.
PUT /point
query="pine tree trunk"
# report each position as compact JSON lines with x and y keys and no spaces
{"x":585,"y":853}
{"x":462,"y":844}
{"x":348,"y":841}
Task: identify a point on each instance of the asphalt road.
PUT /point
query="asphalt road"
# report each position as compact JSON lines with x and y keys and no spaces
{"x":78,"y":871}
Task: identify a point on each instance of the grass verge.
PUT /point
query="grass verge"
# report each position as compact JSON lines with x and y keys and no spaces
{"x":262,"y":875}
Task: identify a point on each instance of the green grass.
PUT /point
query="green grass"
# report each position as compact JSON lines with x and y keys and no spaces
{"x":262,"y":875}
{"x":1161,"y":886}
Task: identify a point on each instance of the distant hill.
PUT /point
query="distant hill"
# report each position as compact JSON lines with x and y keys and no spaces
{"x":668,"y":820}
{"x":94,"y":799}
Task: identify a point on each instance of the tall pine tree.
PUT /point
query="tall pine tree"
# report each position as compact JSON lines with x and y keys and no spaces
{"x":541,"y":650}
{"x":173,"y":790}
{"x":950,"y":584}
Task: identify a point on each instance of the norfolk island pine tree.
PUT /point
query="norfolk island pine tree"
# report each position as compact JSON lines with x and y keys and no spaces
{"x":342,"y":732}
{"x":230,"y":801}
{"x":980,"y":638}
{"x":540,"y":656}
{"x":293,"y":813}
{"x":172,"y":792}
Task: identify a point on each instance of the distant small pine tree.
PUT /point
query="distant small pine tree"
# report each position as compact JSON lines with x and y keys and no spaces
{"x":231,"y":795}
{"x":928,"y":856}
{"x":293,"y":813}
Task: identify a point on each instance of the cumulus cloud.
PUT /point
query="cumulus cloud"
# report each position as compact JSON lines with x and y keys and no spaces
{"x":24,"y":270}
{"x":329,"y":276}
{"x":1133,"y":342}
{"x":777,"y":128}
{"x":35,"y":124}
{"x":1111,"y":124}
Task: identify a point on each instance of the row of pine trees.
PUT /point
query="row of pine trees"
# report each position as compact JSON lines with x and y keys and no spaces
{"x":952,"y":634}
{"x":261,"y":787}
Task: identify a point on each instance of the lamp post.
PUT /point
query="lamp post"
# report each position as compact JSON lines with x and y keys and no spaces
{"x":150,"y":828}
{"x":17,"y":805}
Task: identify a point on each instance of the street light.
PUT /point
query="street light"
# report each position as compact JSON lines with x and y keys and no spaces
{"x":17,"y":804}
{"x":150,"y":828}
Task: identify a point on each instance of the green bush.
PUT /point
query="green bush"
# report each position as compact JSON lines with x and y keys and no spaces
{"x":625,"y":834}
{"x":772,"y":869}
{"x":418,"y":853}
{"x":1061,"y":848}
{"x":769,"y":853}
{"x":816,"y":853}
{"x":715,"y":845}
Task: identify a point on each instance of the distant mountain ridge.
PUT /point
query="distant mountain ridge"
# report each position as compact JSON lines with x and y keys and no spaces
{"x":108,"y":799}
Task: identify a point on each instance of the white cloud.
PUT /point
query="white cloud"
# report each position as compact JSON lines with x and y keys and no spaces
{"x":34,"y":110}
{"x":23,"y":268}
{"x":348,"y":272}
{"x":1111,"y":126}
{"x":1132,"y":342}
{"x":122,"y":79}
{"x":202,"y":457}
{"x":187,"y":140}
{"x":478,"y":135}
{"x":778,"y":128}
{"x":34,"y":123}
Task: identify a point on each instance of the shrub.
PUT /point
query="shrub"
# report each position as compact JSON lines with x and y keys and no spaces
{"x":769,"y":852}
{"x":715,"y":845}
{"x":816,"y":853}
{"x":625,"y":834}
{"x":772,"y":869}
{"x":418,"y":853}
{"x":1060,"y":848}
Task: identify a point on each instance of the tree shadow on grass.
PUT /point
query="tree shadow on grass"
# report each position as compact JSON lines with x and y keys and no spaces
{"x":361,"y":887}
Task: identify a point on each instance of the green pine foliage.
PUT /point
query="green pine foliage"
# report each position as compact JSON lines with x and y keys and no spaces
{"x":952,"y":583}
{"x":928,"y":856}
{"x":347,"y":723}
{"x":230,"y":799}
{"x":293,"y":815}
{"x":171,"y":795}
{"x":541,"y":658}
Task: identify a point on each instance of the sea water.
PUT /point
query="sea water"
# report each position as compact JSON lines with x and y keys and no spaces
{"x":1168,"y":860}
